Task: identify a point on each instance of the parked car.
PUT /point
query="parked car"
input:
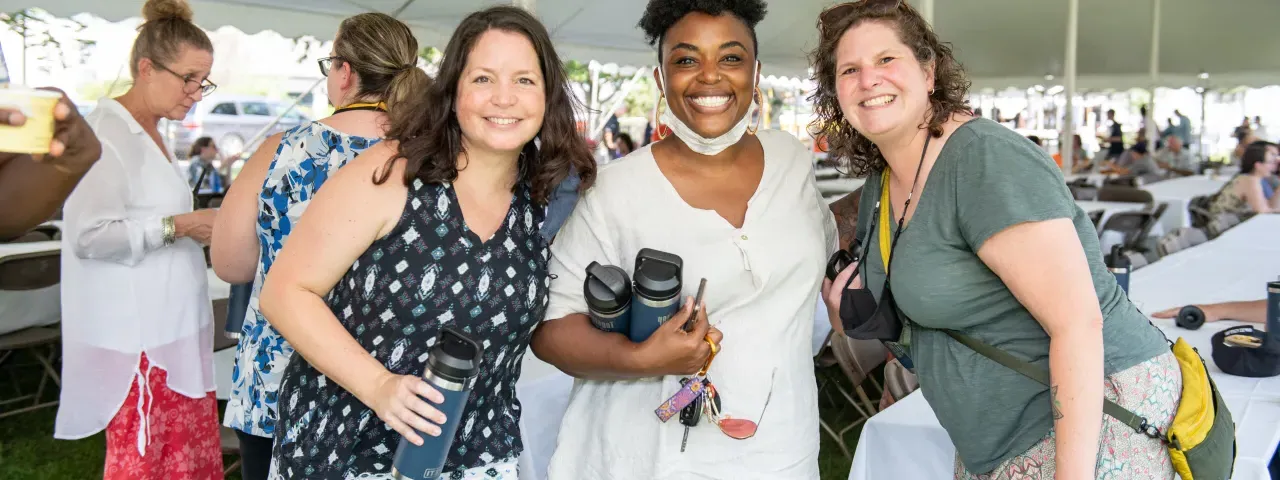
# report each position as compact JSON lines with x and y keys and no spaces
{"x":232,"y":121}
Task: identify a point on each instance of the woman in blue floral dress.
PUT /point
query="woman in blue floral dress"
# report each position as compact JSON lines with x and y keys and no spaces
{"x":373,"y":64}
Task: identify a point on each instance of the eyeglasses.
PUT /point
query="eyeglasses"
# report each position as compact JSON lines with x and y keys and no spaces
{"x":326,"y":64}
{"x":738,"y":428}
{"x":828,"y":19}
{"x":189,"y":83}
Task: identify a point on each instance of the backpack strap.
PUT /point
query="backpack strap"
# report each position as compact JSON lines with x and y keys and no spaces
{"x":1041,"y":376}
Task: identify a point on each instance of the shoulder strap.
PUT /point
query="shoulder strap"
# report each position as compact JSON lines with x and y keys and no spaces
{"x":1041,"y":376}
{"x":886,"y":220}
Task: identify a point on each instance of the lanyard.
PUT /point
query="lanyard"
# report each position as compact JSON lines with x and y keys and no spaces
{"x":381,"y":106}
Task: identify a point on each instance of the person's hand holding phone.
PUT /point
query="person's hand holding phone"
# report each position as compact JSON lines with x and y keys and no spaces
{"x":672,"y":350}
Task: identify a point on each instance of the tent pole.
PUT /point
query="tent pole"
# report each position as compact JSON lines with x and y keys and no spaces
{"x":1069,"y":86}
{"x":1155,"y":74}
{"x":926,"y":10}
{"x":618,"y":98}
{"x":530,"y":5}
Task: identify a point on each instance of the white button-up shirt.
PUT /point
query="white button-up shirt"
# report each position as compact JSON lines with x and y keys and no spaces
{"x":123,"y":291}
{"x":762,"y":282}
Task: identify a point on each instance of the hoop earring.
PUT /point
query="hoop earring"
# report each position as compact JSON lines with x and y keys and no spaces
{"x":657,"y":117}
{"x":759,"y":119}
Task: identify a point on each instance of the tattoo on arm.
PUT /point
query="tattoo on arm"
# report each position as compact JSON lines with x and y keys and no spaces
{"x":1057,"y":406}
{"x":846,"y":213}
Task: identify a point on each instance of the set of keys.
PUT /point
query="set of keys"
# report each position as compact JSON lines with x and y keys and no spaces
{"x":693,"y":412}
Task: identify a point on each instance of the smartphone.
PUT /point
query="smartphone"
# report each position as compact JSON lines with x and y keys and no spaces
{"x":697,"y":306}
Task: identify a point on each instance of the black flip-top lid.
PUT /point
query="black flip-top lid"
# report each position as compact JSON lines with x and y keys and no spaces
{"x":607,"y":288}
{"x":1118,"y":259}
{"x":455,"y":357}
{"x":658,"y":274}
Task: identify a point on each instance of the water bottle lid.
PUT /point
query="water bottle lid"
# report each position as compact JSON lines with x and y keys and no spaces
{"x":607,"y":288}
{"x":1118,"y":259}
{"x":454,"y":357}
{"x":657,"y":274}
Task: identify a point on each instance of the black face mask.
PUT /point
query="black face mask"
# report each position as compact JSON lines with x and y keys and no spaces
{"x":861,"y":315}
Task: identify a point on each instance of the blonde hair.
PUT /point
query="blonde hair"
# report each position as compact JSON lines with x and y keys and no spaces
{"x":383,"y":53}
{"x":166,"y":28}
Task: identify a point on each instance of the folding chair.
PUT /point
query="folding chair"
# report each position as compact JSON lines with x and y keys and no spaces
{"x":1118,"y":193}
{"x":856,"y":359}
{"x":24,"y":273}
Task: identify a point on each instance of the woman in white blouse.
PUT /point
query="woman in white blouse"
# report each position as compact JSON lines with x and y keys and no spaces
{"x":742,"y":210}
{"x":136,"y":315}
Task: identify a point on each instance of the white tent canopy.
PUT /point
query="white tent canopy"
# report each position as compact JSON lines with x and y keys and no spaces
{"x":1002,"y":43}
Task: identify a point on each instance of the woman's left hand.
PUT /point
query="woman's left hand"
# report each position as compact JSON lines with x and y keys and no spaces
{"x":832,"y":291}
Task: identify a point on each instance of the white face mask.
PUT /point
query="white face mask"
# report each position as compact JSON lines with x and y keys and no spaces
{"x":698,"y":143}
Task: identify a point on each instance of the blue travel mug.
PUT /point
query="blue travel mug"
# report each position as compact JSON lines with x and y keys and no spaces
{"x":608,"y":293}
{"x":1120,"y":267}
{"x":452,"y":367}
{"x":237,"y":308}
{"x":656,"y":291}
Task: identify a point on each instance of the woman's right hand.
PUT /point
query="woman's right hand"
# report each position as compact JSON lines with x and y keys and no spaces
{"x":398,"y":401}
{"x":197,"y":225}
{"x":832,"y":291}
{"x":673,"y":351}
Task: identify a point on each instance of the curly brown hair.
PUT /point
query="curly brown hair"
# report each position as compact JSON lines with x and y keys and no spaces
{"x":432,"y":140}
{"x":949,"y":97}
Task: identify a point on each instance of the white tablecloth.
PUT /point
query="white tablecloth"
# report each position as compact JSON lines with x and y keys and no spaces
{"x":906,"y":442}
{"x":31,"y":308}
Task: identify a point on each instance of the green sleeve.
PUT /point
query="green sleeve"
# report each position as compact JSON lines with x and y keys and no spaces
{"x":1002,"y":181}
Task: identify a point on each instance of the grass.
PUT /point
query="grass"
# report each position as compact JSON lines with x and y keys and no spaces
{"x":28,"y":450}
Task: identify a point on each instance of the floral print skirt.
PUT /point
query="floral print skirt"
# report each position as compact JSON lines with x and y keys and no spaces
{"x":1152,"y":389}
{"x":161,"y":434}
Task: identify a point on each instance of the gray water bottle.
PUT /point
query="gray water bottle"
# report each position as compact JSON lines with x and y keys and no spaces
{"x":656,"y":291}
{"x":452,"y":367}
{"x":608,"y":292}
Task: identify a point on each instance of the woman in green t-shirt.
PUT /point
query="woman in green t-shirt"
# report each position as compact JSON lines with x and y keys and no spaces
{"x":992,"y":246}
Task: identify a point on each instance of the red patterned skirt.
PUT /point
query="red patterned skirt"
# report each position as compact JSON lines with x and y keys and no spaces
{"x":162,"y":434}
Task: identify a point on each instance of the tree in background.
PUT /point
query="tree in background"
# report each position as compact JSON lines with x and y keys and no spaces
{"x":43,"y":34}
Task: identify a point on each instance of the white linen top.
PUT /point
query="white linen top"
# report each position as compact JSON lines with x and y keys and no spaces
{"x":762,"y":280}
{"x":123,"y":291}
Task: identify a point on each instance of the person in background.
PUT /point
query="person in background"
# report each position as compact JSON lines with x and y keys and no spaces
{"x":741,"y":207}
{"x":438,"y":224}
{"x":1138,"y":162}
{"x":1184,"y":128}
{"x":137,"y":320}
{"x":1081,"y":161}
{"x":1036,"y":140}
{"x":1252,"y":311}
{"x":1175,"y":157}
{"x":993,"y":215}
{"x":1251,"y":191}
{"x":202,"y":170}
{"x":625,"y":145}
{"x":371,"y":74}
{"x":1260,"y":130}
{"x":33,"y":187}
{"x":1115,"y":139}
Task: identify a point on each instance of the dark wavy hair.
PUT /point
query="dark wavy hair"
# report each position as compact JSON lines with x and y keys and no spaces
{"x":430,"y":142}
{"x":660,"y":15}
{"x":1255,"y":154}
{"x":951,"y":86}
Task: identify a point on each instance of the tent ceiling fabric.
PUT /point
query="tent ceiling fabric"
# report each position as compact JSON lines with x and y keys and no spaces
{"x":1002,"y":43}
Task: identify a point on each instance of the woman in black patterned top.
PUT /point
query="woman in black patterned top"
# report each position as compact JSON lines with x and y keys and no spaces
{"x":438,"y":225}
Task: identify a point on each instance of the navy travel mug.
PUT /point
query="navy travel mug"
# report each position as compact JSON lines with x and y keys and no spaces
{"x":452,"y":367}
{"x":237,"y":308}
{"x":1120,"y":267}
{"x":656,"y":292}
{"x":608,"y":293}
